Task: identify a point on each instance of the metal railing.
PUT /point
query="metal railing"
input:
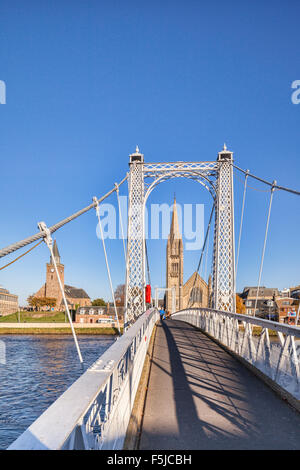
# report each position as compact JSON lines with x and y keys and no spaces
{"x":278,"y":359}
{"x":94,"y":412}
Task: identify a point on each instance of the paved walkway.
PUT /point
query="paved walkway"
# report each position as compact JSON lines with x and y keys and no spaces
{"x":200,"y":397}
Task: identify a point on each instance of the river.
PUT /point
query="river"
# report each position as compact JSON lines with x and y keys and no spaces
{"x":34,"y":371}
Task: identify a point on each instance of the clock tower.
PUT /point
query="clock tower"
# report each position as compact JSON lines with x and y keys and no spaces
{"x":52,"y":286}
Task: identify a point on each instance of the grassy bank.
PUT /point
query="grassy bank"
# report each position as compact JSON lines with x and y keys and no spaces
{"x":58,"y":331}
{"x":47,"y":317}
{"x":34,"y":317}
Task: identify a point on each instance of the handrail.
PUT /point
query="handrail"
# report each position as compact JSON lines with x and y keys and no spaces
{"x":94,"y":412}
{"x":279,"y":360}
{"x":271,"y":325}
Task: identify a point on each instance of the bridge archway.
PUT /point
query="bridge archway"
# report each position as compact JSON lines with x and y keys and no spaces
{"x":217,"y":178}
{"x":203,"y":180}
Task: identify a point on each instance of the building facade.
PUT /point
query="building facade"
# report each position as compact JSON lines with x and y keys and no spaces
{"x":9,"y":303}
{"x":76,"y":297}
{"x":287,"y":309}
{"x":103,"y":315}
{"x":265,"y":307}
{"x":295,"y":292}
{"x":195,"y":292}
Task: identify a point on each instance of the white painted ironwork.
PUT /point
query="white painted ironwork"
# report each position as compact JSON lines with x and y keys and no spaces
{"x":135,"y":263}
{"x":217,"y":178}
{"x":165,"y":289}
{"x":223,"y":285}
{"x":94,"y":412}
{"x":278,"y":359}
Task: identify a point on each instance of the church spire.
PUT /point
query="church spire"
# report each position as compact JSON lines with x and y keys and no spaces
{"x":55,"y":254}
{"x":175,"y":232}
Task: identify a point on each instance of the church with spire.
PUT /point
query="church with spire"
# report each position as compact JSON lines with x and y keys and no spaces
{"x":76,"y":297}
{"x":195,"y":292}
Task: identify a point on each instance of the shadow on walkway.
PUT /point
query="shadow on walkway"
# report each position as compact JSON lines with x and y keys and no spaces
{"x":200,"y":397}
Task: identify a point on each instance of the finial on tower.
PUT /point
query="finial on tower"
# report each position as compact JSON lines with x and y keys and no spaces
{"x":137,"y":156}
{"x":225,"y":154}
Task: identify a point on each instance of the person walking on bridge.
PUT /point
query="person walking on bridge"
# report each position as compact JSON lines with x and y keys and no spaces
{"x":162,"y":314}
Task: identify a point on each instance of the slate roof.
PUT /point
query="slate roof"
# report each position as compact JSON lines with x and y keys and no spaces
{"x":263,"y":292}
{"x":75,"y":293}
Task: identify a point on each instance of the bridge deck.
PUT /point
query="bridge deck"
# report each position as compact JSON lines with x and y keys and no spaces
{"x":200,"y":397}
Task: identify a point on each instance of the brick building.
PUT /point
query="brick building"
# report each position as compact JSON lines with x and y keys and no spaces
{"x":75,"y":296}
{"x":103,"y":315}
{"x":287,"y":309}
{"x":9,"y":303}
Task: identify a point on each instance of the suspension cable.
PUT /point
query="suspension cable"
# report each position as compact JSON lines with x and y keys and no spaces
{"x":121,"y":220}
{"x":251,"y":187}
{"x":16,"y":246}
{"x":21,"y":256}
{"x":264,"y":247}
{"x":106,"y":261}
{"x":147,"y":263}
{"x":48,"y":240}
{"x":206,"y":256}
{"x":241,"y":223}
{"x":276,"y":186}
{"x":202,"y":251}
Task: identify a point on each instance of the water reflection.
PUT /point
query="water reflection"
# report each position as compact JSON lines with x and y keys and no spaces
{"x":37,"y":370}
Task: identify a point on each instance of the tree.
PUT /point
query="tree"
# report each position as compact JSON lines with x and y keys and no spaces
{"x":99,"y":303}
{"x":33,"y":301}
{"x":120,"y":295}
{"x":240,"y":307}
{"x":38,"y":302}
{"x":48,"y":301}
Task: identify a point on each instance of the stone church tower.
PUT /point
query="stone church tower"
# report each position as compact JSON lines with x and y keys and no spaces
{"x":174,"y":271}
{"x":52,"y":286}
{"x":195,"y":292}
{"x":75,"y":296}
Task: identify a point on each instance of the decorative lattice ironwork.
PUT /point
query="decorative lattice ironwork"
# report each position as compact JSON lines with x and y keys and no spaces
{"x":216,"y":177}
{"x":223,"y":259}
{"x":135,"y":276}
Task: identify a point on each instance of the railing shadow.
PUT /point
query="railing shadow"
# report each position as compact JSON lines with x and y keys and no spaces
{"x":214,"y":403}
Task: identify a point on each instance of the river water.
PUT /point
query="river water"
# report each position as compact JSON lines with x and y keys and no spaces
{"x":34,"y":371}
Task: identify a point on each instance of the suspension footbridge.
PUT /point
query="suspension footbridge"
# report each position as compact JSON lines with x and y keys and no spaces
{"x":212,"y":380}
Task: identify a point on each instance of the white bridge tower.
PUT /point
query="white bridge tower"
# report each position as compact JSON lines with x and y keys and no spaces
{"x":217,"y":178}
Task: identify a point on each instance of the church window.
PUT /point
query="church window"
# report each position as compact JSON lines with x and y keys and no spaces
{"x":175,"y":249}
{"x":196,"y":295}
{"x":175,"y":268}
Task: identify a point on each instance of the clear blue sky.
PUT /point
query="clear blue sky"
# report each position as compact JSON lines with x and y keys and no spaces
{"x":87,"y":81}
